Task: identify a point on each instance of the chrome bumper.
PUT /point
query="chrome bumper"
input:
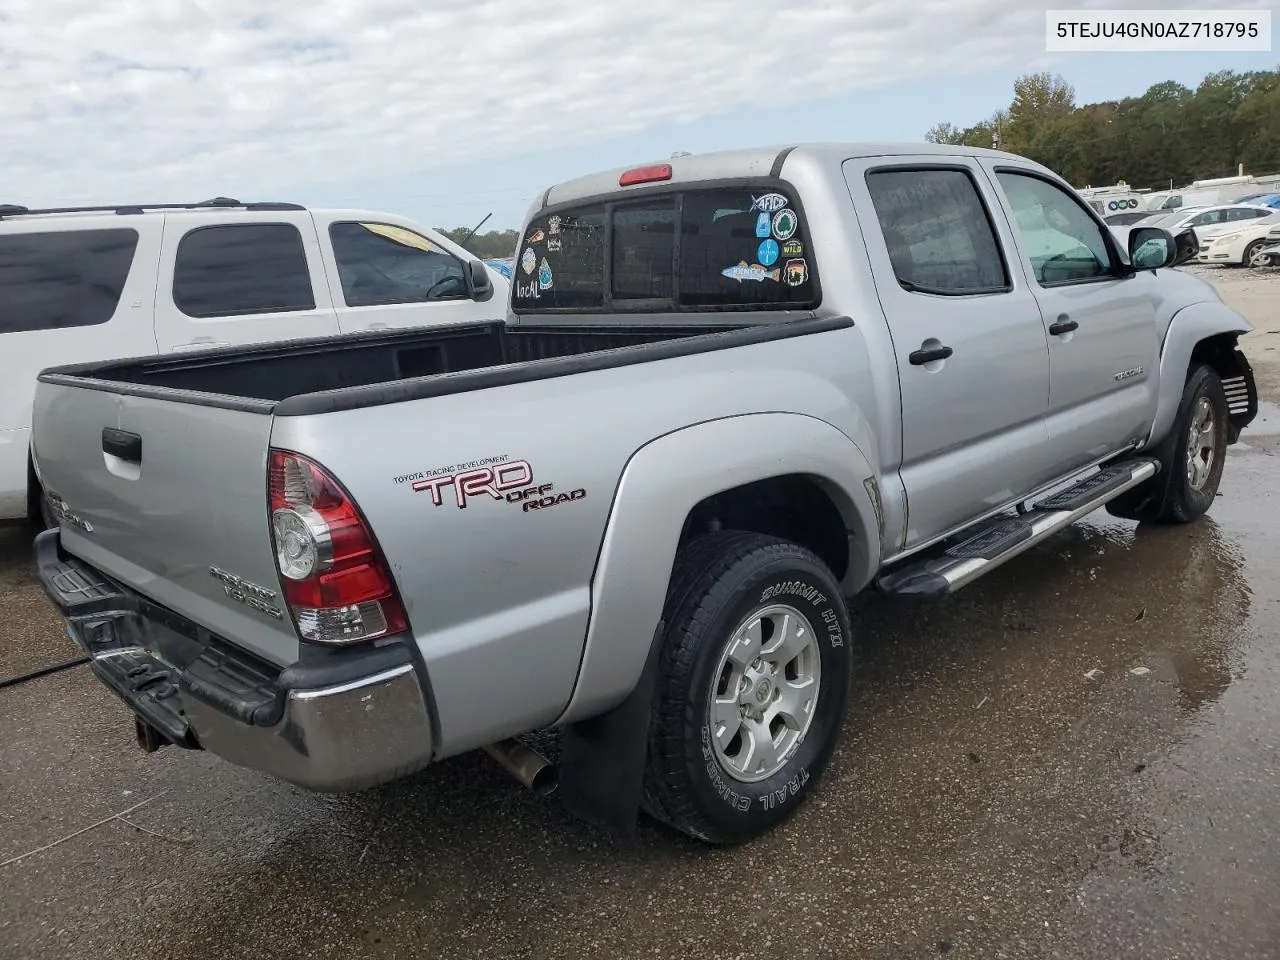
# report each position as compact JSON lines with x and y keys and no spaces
{"x":345,"y":737}
{"x":339,"y":724}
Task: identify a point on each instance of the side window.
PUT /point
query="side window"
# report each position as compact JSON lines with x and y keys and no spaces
{"x":1213,"y":216}
{"x":1063,"y":243}
{"x":380,"y":264}
{"x":1244,"y":213}
{"x":938,"y":232}
{"x":70,"y":278}
{"x":237,"y":269}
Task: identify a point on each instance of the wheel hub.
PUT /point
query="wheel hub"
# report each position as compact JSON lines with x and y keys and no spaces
{"x":1201,"y":444}
{"x":764,"y":692}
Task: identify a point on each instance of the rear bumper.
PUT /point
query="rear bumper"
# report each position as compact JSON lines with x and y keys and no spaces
{"x":341,"y":720}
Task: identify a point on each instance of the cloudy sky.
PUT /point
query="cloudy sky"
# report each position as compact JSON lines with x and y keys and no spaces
{"x":447,"y":111}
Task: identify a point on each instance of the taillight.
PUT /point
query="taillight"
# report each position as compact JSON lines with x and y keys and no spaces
{"x":335,"y":579}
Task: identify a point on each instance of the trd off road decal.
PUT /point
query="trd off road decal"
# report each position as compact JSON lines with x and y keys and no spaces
{"x":499,"y":478}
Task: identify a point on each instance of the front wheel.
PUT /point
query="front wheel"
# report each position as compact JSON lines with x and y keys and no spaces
{"x":1253,"y":255}
{"x":1191,"y":458}
{"x":752,"y":684}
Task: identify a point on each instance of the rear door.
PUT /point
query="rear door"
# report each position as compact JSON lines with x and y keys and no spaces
{"x":246,"y":278}
{"x":384,"y":273}
{"x":161,"y":495}
{"x":972,"y":360}
{"x":1104,"y":348}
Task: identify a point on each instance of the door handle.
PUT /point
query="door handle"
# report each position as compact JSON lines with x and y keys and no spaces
{"x":925,"y":354}
{"x":1063,"y":324}
{"x":122,"y":444}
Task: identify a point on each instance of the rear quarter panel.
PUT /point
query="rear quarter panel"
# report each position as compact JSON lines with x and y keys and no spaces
{"x":499,"y":596}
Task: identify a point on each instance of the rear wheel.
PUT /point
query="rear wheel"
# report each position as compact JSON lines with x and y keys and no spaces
{"x":753,"y":679}
{"x":1191,"y":458}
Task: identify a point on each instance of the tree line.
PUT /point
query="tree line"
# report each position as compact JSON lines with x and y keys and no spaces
{"x":1171,"y":132}
{"x":495,"y":243}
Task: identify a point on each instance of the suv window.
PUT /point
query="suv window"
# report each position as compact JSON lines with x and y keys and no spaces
{"x":1063,"y":243}
{"x":719,"y":248}
{"x":235,"y":269}
{"x":379,"y":263}
{"x":938,"y":232}
{"x":70,"y":278}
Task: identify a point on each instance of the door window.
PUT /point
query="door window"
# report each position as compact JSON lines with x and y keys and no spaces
{"x":380,"y":264}
{"x":237,"y":269}
{"x":1063,"y":243}
{"x":938,"y":232}
{"x":67,"y":278}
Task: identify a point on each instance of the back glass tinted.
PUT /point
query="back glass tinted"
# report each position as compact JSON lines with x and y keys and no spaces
{"x":721,"y":248}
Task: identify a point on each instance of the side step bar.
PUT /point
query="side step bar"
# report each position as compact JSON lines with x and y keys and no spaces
{"x":1003,"y":538}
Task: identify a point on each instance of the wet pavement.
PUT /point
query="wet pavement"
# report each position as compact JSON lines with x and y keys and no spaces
{"x":1076,"y":757}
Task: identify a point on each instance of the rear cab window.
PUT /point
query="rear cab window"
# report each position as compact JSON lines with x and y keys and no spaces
{"x":696,"y":248}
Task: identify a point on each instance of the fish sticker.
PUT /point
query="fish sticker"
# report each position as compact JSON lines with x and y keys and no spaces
{"x":767,"y":253}
{"x":793,"y":248}
{"x":745,"y":271}
{"x":769,"y":203}
{"x":796,"y":273}
{"x":553,"y":245}
{"x":553,"y":226}
{"x":785,"y":224}
{"x":763,"y":225}
{"x":544,"y":275}
{"x":529,"y":261}
{"x":537,"y":236}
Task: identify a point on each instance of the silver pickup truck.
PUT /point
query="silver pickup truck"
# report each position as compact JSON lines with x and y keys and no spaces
{"x":731,"y":391}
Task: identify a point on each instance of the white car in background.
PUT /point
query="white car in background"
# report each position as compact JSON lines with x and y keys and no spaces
{"x":1198,"y":218}
{"x":1237,"y":244}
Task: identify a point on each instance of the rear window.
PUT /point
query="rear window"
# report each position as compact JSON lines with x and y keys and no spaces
{"x":70,"y":278}
{"x":711,"y":249}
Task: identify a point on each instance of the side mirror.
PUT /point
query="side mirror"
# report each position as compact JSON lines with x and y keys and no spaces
{"x":1151,"y":248}
{"x":478,"y":281}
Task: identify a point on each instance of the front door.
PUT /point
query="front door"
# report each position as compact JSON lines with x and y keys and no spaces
{"x":1104,"y":349}
{"x":972,"y":359}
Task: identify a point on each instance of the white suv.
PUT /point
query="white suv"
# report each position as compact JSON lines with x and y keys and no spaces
{"x":82,"y":284}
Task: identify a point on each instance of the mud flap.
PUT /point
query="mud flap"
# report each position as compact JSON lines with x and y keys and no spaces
{"x":602,"y":758}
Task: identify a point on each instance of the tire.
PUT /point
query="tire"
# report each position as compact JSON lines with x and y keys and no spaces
{"x":1178,"y":494}
{"x":728,"y":789}
{"x":1251,"y":251}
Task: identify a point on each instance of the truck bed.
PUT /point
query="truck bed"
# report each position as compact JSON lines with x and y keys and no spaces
{"x":335,"y":373}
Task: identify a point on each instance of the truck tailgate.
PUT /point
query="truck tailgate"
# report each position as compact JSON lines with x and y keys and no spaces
{"x":169,"y":498}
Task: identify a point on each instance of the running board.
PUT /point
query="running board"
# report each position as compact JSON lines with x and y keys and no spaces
{"x":1003,"y":538}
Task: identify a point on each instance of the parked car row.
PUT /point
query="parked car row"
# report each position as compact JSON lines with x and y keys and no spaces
{"x":92,"y":284}
{"x":1229,"y":234}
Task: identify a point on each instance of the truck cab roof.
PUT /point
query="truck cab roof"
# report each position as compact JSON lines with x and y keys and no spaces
{"x":752,"y":163}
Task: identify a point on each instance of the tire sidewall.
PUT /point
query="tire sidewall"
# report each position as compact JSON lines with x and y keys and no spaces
{"x":739,"y":808}
{"x":1193,"y":503}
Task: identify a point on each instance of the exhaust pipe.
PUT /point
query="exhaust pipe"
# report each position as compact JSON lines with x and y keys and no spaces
{"x":525,"y":764}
